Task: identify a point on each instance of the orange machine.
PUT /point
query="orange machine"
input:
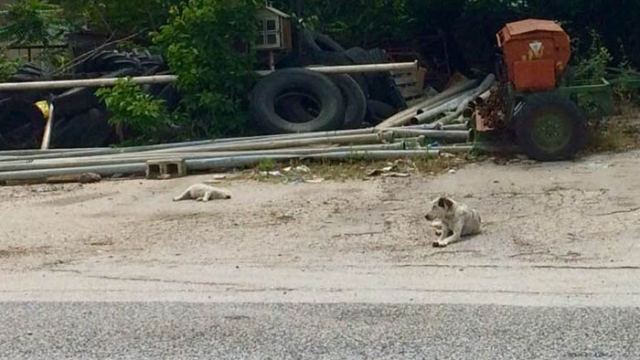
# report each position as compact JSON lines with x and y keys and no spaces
{"x":536,"y":54}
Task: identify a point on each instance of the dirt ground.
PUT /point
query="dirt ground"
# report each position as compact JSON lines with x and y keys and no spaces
{"x":583,"y":214}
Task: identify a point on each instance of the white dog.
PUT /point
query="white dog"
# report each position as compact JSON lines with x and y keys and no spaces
{"x":203,"y":192}
{"x":452,"y":221}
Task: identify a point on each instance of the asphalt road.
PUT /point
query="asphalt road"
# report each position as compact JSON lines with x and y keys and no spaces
{"x":338,"y":331}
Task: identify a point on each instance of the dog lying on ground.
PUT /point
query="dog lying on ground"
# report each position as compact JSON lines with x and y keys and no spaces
{"x":452,"y":221}
{"x":203,"y":192}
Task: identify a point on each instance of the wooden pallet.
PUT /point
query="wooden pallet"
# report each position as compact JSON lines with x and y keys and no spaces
{"x":411,"y":84}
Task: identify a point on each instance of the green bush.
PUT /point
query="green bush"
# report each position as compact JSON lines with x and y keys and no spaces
{"x":136,"y":110}
{"x":8,"y":67}
{"x":205,"y":43}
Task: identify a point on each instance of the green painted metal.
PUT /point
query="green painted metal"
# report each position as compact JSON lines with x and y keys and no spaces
{"x":551,"y":131}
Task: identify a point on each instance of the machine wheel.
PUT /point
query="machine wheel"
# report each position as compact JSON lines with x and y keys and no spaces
{"x":550,"y":127}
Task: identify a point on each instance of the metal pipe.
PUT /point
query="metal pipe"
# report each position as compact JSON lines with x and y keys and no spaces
{"x":296,"y":136}
{"x":462,"y":149}
{"x":100,"y":161}
{"x":84,"y":83}
{"x":13,"y":155}
{"x":405,"y":116}
{"x":449,"y":105}
{"x":375,"y":155}
{"x":456,"y":135}
{"x":166,"y":79}
{"x":286,"y":143}
{"x":70,"y":153}
{"x":364,"y":68}
{"x":46,"y":138}
{"x":211,"y":163}
{"x":486,"y":85}
{"x":351,"y":69}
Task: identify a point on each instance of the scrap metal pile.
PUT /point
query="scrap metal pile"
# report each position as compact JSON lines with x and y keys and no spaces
{"x":436,"y":125}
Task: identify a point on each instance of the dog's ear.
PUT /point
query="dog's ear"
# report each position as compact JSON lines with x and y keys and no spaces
{"x":445,"y":203}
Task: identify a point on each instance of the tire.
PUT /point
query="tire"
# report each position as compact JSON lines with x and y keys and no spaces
{"x":292,"y":106}
{"x":381,"y":86}
{"x":550,"y":127}
{"x":316,"y":42}
{"x":80,"y":100}
{"x":26,"y":73}
{"x":89,"y":129}
{"x":21,"y":125}
{"x":171,"y":97}
{"x":335,"y":58}
{"x":314,"y":85}
{"x":378,"y":111}
{"x":355,"y":100}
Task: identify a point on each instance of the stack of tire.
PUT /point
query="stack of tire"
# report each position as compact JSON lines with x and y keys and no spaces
{"x":296,"y":100}
{"x":80,"y":118}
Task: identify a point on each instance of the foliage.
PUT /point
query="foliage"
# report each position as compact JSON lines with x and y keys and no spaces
{"x":32,"y":22}
{"x":592,"y":66}
{"x":132,"y":107}
{"x":121,"y":17}
{"x":205,"y":44}
{"x":8,"y":67}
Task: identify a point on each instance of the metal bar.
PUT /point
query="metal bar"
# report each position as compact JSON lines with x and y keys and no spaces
{"x":165,"y":79}
{"x":433,"y":134}
{"x":405,"y":116}
{"x":214,"y":163}
{"x":143,"y":158}
{"x":102,"y":82}
{"x":365,"y":68}
{"x":46,"y":138}
{"x":287,"y":143}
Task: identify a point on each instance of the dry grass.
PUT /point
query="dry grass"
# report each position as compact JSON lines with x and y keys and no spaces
{"x":618,"y":133}
{"x":351,"y":169}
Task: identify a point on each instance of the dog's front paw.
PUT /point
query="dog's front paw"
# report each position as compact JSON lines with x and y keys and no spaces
{"x":440,"y":244}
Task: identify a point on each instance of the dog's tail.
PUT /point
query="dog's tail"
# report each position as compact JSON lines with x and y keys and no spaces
{"x":185,"y":195}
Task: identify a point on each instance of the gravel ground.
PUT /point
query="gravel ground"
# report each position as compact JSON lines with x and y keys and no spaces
{"x":340,"y":331}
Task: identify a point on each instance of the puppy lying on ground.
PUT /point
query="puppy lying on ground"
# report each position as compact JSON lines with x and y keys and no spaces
{"x":202,"y":192}
{"x":452,"y":221}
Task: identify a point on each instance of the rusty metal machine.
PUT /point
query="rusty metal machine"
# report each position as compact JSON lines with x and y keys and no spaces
{"x":542,"y":117}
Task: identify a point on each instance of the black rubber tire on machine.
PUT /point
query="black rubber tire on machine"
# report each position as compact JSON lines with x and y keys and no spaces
{"x":316,"y":87}
{"x":550,"y":127}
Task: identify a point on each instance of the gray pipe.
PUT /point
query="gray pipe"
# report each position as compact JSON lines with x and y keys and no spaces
{"x":212,"y":163}
{"x":287,"y":143}
{"x":456,"y":135}
{"x":296,"y":136}
{"x":486,"y":85}
{"x":70,"y":153}
{"x":103,"y":161}
{"x":451,"y":104}
{"x":461,"y":149}
{"x":405,"y":116}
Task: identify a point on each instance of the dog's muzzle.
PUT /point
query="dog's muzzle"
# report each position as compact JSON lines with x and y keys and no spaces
{"x":428,"y":217}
